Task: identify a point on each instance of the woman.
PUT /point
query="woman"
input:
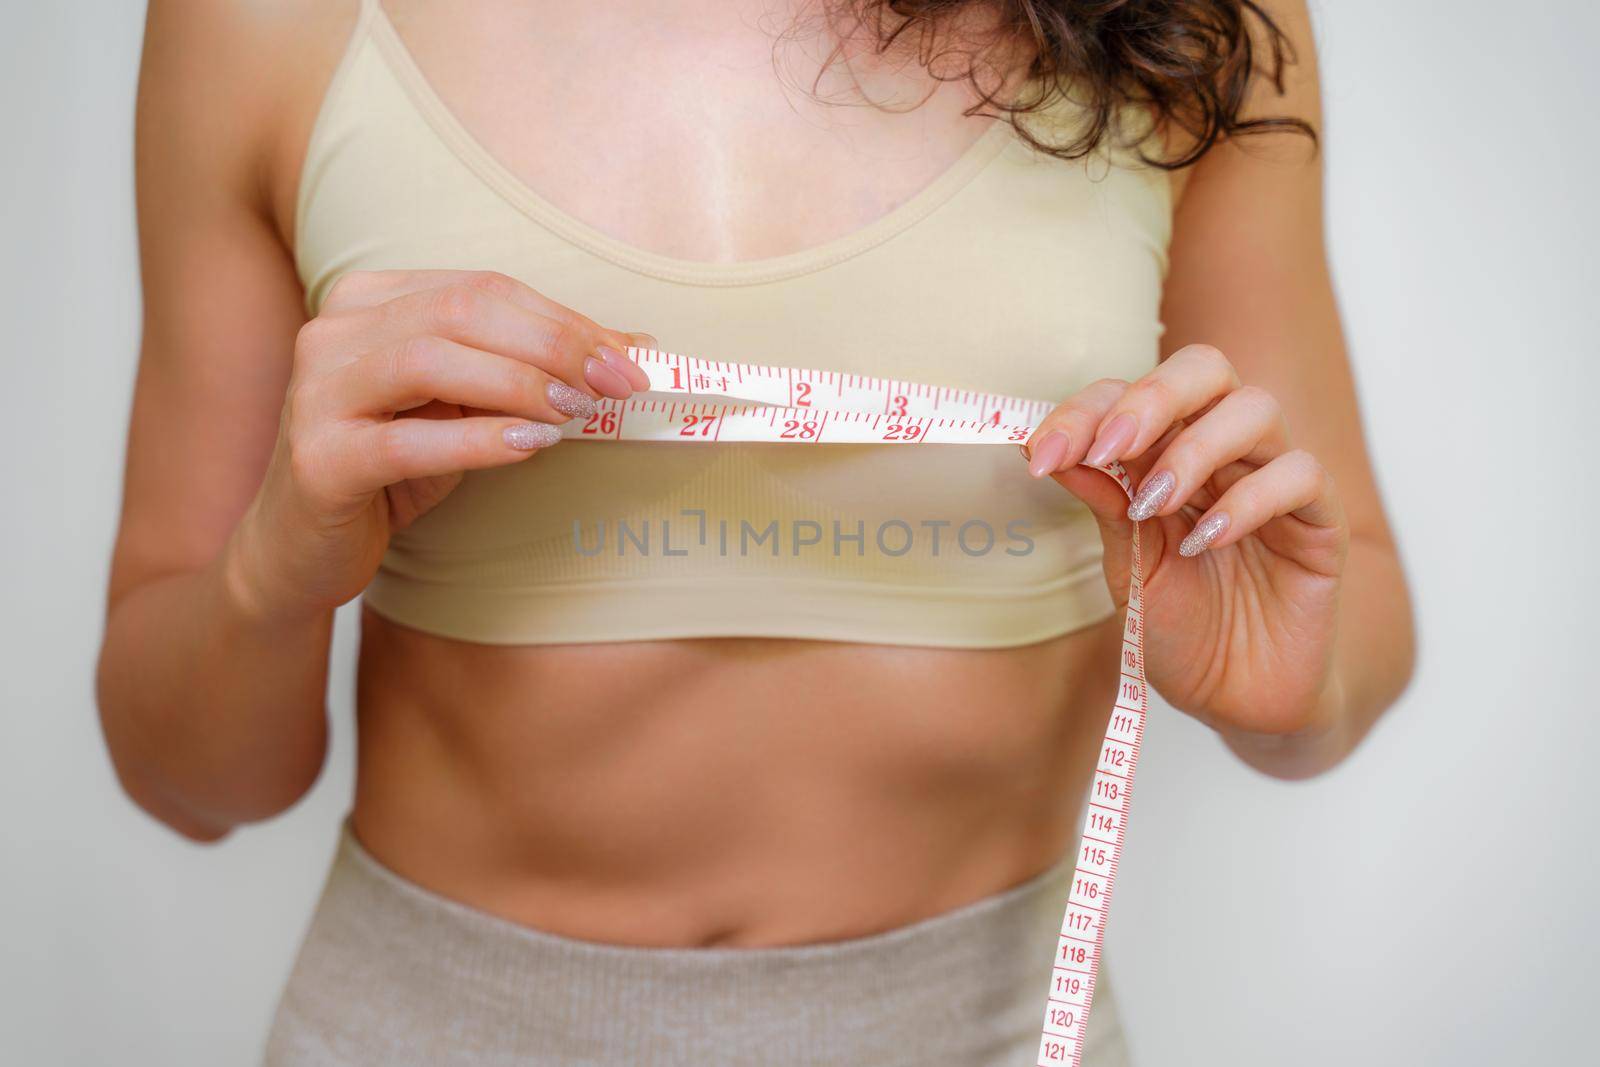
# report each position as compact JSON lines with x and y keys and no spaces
{"x":721,"y":806}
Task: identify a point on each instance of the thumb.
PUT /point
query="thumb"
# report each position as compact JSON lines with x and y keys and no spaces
{"x":1103,"y":492}
{"x":1103,"y":495}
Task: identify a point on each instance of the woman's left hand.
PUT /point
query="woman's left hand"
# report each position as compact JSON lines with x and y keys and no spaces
{"x":1244,"y":538}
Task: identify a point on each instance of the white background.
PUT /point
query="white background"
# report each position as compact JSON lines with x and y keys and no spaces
{"x":1430,"y":902}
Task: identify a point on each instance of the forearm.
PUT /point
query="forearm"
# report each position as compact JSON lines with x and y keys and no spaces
{"x":214,"y":714}
{"x":1373,"y":658}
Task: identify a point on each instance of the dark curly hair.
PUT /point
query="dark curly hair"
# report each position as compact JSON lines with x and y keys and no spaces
{"x":1186,"y":65}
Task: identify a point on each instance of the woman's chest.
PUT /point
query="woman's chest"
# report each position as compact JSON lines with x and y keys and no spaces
{"x":1009,"y":272}
{"x":999,"y":269}
{"x":702,"y":129}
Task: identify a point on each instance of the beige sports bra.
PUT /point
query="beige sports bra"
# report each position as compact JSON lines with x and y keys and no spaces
{"x":1012,"y":273}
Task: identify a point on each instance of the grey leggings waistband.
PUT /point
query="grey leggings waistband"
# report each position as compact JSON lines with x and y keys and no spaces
{"x":391,"y":973}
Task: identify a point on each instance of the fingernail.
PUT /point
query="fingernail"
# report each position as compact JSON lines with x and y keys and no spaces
{"x":1205,"y":532}
{"x":649,"y":340}
{"x":605,"y":380}
{"x":527,"y":436}
{"x":569,"y":401}
{"x":1048,"y":456}
{"x":1148,"y":500}
{"x":626,"y":367}
{"x":1114,"y":438}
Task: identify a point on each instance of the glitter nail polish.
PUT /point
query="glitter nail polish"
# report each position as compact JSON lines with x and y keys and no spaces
{"x":1149,"y":499}
{"x":569,"y":401}
{"x":527,"y":436}
{"x":1206,"y":531}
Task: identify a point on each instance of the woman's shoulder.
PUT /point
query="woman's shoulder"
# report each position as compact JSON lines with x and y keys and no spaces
{"x":234,"y":89}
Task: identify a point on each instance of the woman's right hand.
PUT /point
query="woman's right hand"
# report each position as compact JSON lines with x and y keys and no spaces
{"x":404,"y":381}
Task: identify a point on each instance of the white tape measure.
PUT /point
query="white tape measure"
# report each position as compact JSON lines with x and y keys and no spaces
{"x":792,"y":405}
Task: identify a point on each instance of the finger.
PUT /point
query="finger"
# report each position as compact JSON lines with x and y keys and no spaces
{"x":636,"y":374}
{"x":571,"y":350}
{"x":408,"y":291}
{"x":1182,"y":385}
{"x":612,"y":344}
{"x":1062,"y":437}
{"x":1246,"y":424}
{"x":423,"y":368}
{"x":1104,"y":495}
{"x":1210,"y":491}
{"x":423,"y":448}
{"x":1294,"y":483}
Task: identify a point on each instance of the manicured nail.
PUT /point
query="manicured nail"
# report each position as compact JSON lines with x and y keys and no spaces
{"x":527,"y":436}
{"x":1048,"y":456}
{"x":1148,"y":500}
{"x":1205,"y":532}
{"x":1114,"y":438}
{"x":648,"y":340}
{"x":569,"y":401}
{"x":605,"y":380}
{"x":631,"y":371}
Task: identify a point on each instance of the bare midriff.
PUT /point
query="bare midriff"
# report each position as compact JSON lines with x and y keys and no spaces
{"x":723,"y":791}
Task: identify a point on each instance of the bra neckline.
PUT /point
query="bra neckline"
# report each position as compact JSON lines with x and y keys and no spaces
{"x":477,"y":158}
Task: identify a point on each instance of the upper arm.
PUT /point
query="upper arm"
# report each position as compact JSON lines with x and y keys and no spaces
{"x":1249,"y":275}
{"x":222,"y":301}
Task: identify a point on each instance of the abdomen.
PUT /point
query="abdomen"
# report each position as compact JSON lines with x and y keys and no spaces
{"x":723,"y":791}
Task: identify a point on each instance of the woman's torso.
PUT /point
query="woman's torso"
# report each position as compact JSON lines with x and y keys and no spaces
{"x":705,"y":789}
